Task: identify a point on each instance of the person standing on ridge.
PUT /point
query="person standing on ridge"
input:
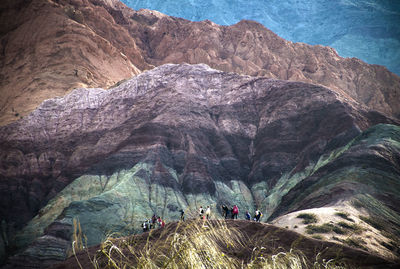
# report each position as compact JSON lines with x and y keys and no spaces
{"x":182,"y":215}
{"x":258,"y":215}
{"x":235,"y":212}
{"x":145,"y":226}
{"x":208,"y":212}
{"x":225,"y":211}
{"x":248,"y":216}
{"x":201,"y":212}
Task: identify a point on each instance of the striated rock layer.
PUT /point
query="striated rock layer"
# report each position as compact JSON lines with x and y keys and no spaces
{"x":178,"y":137}
{"x":362,"y":29}
{"x":49,"y":48}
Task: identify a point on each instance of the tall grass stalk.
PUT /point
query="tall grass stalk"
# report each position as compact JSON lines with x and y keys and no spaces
{"x":196,"y":244}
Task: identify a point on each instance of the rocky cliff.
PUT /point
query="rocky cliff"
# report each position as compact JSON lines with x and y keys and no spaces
{"x":181,"y":136}
{"x":367,"y":30}
{"x":49,"y":48}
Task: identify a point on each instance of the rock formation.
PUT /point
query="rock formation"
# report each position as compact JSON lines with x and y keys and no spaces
{"x":181,"y":136}
{"x":51,"y":47}
{"x":362,"y":29}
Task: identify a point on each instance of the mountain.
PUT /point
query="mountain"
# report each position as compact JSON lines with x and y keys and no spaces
{"x":125,"y":123}
{"x":367,"y":30}
{"x":180,"y":136}
{"x":48,"y":48}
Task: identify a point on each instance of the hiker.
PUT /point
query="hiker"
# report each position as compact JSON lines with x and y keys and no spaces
{"x":153,"y":221}
{"x":162,"y":224}
{"x":182,"y":215}
{"x":258,"y":215}
{"x":248,"y":216}
{"x":159,"y":222}
{"x":225,"y":211}
{"x":208,"y":212}
{"x":145,"y":226}
{"x":201,"y":212}
{"x":148,"y":224}
{"x":235,"y":212}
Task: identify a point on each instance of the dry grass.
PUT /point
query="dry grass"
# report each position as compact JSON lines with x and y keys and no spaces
{"x":308,"y":218}
{"x":196,"y":244}
{"x":344,"y":215}
{"x":324,"y":228}
{"x":377,"y":223}
{"x":354,"y":228}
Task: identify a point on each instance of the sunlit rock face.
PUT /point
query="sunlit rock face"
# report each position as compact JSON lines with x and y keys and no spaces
{"x":176,"y":137}
{"x":367,"y":30}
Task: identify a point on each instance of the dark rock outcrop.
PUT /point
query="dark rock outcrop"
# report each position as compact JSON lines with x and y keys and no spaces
{"x":178,"y":136}
{"x":49,"y":48}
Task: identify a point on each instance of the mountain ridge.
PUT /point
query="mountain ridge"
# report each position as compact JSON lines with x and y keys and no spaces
{"x":61,"y":56}
{"x":167,"y":135}
{"x":183,"y":135}
{"x":363,"y":29}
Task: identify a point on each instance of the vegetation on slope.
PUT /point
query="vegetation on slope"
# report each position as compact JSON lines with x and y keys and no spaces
{"x":217,"y":244}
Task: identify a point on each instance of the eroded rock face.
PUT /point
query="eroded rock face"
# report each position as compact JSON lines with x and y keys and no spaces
{"x":249,"y":48}
{"x":49,"y":48}
{"x":365,"y":30}
{"x":178,"y":136}
{"x":355,"y":187}
{"x":375,"y":150}
{"x":52,"y":47}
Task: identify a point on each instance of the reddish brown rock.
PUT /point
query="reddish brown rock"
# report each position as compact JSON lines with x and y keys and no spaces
{"x":48,"y":48}
{"x":51,"y":47}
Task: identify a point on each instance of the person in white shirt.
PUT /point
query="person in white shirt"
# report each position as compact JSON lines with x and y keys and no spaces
{"x":208,"y":212}
{"x":201,"y":212}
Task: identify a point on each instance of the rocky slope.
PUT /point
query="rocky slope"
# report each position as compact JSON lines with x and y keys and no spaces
{"x":357,"y":188}
{"x":50,"y":47}
{"x":367,"y":30}
{"x":181,"y":136}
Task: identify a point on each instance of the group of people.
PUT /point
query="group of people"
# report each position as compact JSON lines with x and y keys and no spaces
{"x":154,"y":222}
{"x":205,"y":214}
{"x":257,"y":215}
{"x":233,"y":213}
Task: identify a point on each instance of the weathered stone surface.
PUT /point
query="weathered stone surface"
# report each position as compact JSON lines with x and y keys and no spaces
{"x":49,"y":48}
{"x":45,"y":251}
{"x":365,"y":30}
{"x":361,"y":179}
{"x":372,"y":160}
{"x":178,"y":136}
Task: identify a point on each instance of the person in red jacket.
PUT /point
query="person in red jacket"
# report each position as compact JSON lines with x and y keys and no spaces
{"x":235,"y":212}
